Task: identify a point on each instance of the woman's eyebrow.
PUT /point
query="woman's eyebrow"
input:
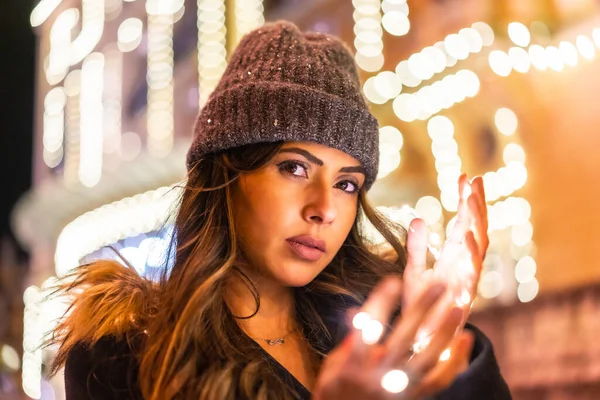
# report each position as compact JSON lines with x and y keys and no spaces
{"x":315,"y":160}
{"x":308,"y":155}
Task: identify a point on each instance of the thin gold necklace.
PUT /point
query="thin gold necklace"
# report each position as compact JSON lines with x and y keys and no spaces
{"x":276,"y":341}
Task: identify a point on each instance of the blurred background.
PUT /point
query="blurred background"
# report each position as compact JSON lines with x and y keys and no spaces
{"x":98,"y":98}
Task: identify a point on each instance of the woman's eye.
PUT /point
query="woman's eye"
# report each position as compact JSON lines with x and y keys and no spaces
{"x":293,"y":168}
{"x":348,"y":186}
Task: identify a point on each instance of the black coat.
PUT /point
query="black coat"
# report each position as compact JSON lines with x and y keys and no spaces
{"x":109,"y":371}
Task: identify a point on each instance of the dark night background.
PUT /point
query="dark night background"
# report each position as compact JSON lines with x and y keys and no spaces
{"x":17,"y":59}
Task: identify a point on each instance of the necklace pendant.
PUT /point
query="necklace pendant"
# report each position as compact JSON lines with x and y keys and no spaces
{"x":274,"y":342}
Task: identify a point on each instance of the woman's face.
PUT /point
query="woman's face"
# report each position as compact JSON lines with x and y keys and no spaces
{"x":293,"y":216}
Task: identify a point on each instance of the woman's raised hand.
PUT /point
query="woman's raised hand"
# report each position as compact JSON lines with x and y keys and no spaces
{"x":458,"y":264}
{"x":366,"y":366}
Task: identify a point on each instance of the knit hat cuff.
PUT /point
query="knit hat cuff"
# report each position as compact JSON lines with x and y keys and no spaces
{"x":275,"y":111}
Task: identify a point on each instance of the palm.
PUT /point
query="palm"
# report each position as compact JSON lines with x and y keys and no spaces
{"x":460,"y":260}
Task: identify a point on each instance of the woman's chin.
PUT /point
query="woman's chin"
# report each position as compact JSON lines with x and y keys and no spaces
{"x":296,"y":275}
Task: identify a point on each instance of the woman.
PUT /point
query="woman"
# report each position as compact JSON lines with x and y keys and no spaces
{"x":269,"y":259}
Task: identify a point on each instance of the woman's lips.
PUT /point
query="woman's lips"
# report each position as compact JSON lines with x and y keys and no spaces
{"x":310,"y":241}
{"x":304,"y":251}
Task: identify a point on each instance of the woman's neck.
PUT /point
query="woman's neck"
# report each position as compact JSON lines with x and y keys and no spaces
{"x":276,"y":315}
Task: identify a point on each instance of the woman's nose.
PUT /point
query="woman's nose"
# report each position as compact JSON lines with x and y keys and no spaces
{"x":321,"y":207}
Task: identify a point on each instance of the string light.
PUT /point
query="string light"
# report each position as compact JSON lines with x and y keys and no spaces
{"x":399,"y":215}
{"x":42,"y":11}
{"x":525,"y":269}
{"x":390,"y":144}
{"x":537,"y":55}
{"x":212,"y":51}
{"x":57,"y":62}
{"x":368,"y":34}
{"x":429,"y":209}
{"x":112,"y":9}
{"x":360,"y":320}
{"x":527,"y":291}
{"x":512,"y":213}
{"x":519,"y":34}
{"x":500,"y":62}
{"x":73,"y":122}
{"x":506,"y":121}
{"x":513,"y":153}
{"x":491,"y":284}
{"x":160,"y":120}
{"x":569,"y":53}
{"x":555,"y":57}
{"x":432,"y":60}
{"x":163,"y":7}
{"x":519,"y":59}
{"x":92,"y":118}
{"x":430,"y":100}
{"x":586,"y":47}
{"x":422,"y":66}
{"x":596,"y":37}
{"x":249,"y":15}
{"x":10,"y":358}
{"x":31,"y":373}
{"x":486,"y":32}
{"x":395,"y":381}
{"x":129,"y":34}
{"x":110,"y":223}
{"x":42,"y":314}
{"x":113,"y":107}
{"x":372,"y":331}
{"x":54,"y":126}
{"x":395,"y":17}
{"x":382,"y":87}
{"x":92,"y":28}
{"x":448,"y":163}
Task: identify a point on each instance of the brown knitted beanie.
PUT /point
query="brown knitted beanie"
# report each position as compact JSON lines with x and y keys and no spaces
{"x":285,"y":85}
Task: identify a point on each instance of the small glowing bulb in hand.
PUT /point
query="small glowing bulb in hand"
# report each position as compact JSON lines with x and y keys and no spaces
{"x":372,"y":332}
{"x":395,"y":381}
{"x":445,"y":356}
{"x":360,"y":320}
{"x":423,"y":340}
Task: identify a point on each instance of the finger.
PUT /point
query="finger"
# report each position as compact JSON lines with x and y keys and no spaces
{"x":464,"y":187}
{"x":402,"y":337}
{"x":377,"y":310}
{"x":423,"y":362}
{"x":476,"y":260}
{"x":479,"y":223}
{"x":478,"y":188}
{"x":416,"y":245}
{"x":463,"y":217}
{"x":384,"y":299}
{"x":464,"y":191}
{"x":446,"y":372}
{"x":436,"y":317}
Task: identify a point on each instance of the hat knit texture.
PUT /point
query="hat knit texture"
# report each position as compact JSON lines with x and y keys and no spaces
{"x":285,"y":85}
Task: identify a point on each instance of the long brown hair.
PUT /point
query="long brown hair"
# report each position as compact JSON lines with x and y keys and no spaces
{"x":192,"y":345}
